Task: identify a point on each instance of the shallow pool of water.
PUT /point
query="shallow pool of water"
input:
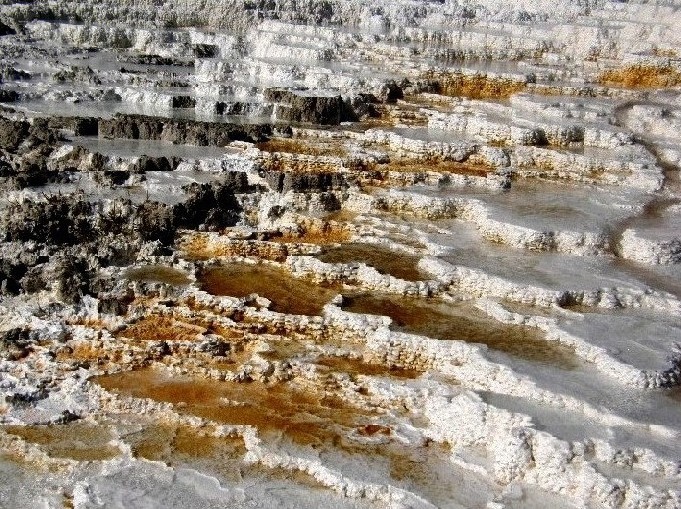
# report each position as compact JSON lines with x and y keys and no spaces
{"x":360,"y":367}
{"x":304,"y":417}
{"x":157,"y":274}
{"x":462,"y":322}
{"x":384,"y":260}
{"x":76,"y":441}
{"x":288,"y":294}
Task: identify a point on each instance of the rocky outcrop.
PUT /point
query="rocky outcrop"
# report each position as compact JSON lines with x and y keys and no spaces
{"x":12,"y":133}
{"x":341,"y":253}
{"x":208,"y":207}
{"x":305,"y":106}
{"x":139,"y":127}
{"x":283,"y":182}
{"x":6,"y":30}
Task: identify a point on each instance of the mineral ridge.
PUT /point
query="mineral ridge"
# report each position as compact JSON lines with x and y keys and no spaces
{"x":340,"y":253}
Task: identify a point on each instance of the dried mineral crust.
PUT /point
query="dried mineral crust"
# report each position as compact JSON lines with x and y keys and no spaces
{"x":352,"y":254}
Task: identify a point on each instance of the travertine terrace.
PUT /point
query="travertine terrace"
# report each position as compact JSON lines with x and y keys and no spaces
{"x":340,"y":253}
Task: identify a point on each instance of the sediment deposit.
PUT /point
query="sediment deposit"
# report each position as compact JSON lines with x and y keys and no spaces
{"x":340,"y":254}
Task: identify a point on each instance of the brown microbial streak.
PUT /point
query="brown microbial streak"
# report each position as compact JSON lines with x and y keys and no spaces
{"x":304,"y":417}
{"x":360,"y":367}
{"x":420,"y":165}
{"x":288,"y":294}
{"x":664,"y":52}
{"x":173,"y":444}
{"x":384,"y":260}
{"x":219,"y":455}
{"x":91,"y":323}
{"x":79,"y":351}
{"x":200,"y":247}
{"x":67,"y":501}
{"x":474,"y":86}
{"x":465,"y":323}
{"x":324,"y":235}
{"x":364,"y":125}
{"x":312,"y":230}
{"x":161,"y":328}
{"x":404,"y":113}
{"x":299,"y":146}
{"x":83,"y":352}
{"x":76,"y":441}
{"x":157,"y":274}
{"x":642,"y":76}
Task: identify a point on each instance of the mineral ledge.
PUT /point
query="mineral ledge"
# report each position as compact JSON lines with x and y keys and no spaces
{"x":340,"y":253}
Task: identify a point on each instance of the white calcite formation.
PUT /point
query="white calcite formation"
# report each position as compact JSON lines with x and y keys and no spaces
{"x":353,"y":254}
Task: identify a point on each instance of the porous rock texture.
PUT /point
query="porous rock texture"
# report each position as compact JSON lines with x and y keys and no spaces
{"x":357,"y":254}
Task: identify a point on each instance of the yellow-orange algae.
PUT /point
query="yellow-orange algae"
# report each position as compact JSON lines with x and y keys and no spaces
{"x":475,"y":86}
{"x":77,"y":441}
{"x":161,"y":328}
{"x":465,"y":323}
{"x":304,"y":147}
{"x":642,"y":76}
{"x":304,"y":417}
{"x":287,"y":293}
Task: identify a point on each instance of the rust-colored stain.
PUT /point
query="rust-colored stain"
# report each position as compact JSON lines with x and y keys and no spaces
{"x":409,"y":165}
{"x":465,"y":323}
{"x":83,"y":351}
{"x":383,"y":259}
{"x":475,"y":86}
{"x":374,"y":429}
{"x":77,"y":441}
{"x":305,"y":417}
{"x":288,"y":294}
{"x":315,"y":147}
{"x":342,"y":216}
{"x":642,"y":76}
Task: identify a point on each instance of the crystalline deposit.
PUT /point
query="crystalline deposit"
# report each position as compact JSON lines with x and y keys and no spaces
{"x":350,"y":254}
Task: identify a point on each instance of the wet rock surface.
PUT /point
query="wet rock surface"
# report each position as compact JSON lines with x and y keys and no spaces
{"x":180,"y":131}
{"x":409,"y":255}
